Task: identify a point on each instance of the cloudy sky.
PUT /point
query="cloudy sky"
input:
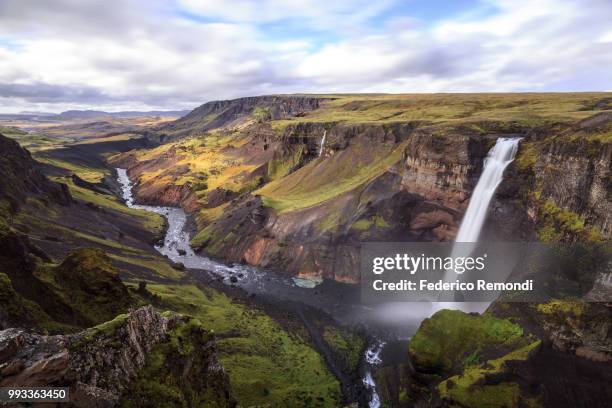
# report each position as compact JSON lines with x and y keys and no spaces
{"x":175,"y":54}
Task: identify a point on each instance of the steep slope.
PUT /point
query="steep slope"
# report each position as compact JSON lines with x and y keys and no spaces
{"x":22,"y":178}
{"x":236,"y":112}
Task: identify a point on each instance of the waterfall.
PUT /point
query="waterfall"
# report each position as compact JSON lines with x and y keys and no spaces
{"x":322,"y":143}
{"x":372,"y":358}
{"x":499,"y":157}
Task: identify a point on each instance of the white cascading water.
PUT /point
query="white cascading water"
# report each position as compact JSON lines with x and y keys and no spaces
{"x":372,"y":358}
{"x":499,"y":157}
{"x":322,"y":143}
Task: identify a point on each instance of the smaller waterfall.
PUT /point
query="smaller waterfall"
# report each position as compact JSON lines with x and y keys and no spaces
{"x":372,"y":357}
{"x":499,"y":157}
{"x":322,"y":143}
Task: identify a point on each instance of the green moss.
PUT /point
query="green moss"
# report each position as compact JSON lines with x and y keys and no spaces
{"x":469,"y":389}
{"x":527,"y":156}
{"x":266,"y":365}
{"x":347,"y":346}
{"x":262,"y":114}
{"x":554,"y":223}
{"x":504,"y":395}
{"x":202,"y":237}
{"x":177,"y":373}
{"x":450,"y":336}
{"x":88,"y":282}
{"x":320,"y":181}
{"x":364,"y":224}
{"x":562,"y":307}
{"x":105,"y":329}
{"x":18,"y":311}
{"x":283,"y":165}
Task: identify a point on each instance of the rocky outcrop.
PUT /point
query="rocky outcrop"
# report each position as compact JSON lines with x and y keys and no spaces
{"x":99,"y":364}
{"x":218,"y":114}
{"x":84,"y":290}
{"x":555,"y":354}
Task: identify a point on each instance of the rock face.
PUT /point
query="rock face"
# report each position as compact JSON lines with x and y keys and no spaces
{"x":576,"y":177}
{"x":99,"y":364}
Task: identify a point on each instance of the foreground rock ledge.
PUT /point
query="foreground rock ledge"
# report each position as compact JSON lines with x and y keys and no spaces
{"x":97,"y":364}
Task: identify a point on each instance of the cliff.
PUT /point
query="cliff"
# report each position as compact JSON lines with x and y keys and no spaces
{"x":106,"y":365}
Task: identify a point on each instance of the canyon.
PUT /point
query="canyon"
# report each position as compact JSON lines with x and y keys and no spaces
{"x":269,"y":193}
{"x":272,"y":197}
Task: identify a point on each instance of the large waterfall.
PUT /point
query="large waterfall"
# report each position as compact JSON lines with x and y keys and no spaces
{"x":499,"y":157}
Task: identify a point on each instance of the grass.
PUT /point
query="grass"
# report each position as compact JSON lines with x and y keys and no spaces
{"x":266,"y":364}
{"x":45,"y":224}
{"x":324,"y":179}
{"x":524,"y":108}
{"x":93,"y":175}
{"x":210,"y":155}
{"x":153,"y":264}
{"x":451,"y":336}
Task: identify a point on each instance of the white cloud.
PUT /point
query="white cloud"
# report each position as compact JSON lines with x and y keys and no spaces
{"x":146,"y":53}
{"x":317,"y":13}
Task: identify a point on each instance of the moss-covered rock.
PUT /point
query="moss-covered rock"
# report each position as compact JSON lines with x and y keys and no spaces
{"x":182,"y":372}
{"x":90,"y":284}
{"x":449,"y":339}
{"x":347,"y":347}
{"x":482,"y":385}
